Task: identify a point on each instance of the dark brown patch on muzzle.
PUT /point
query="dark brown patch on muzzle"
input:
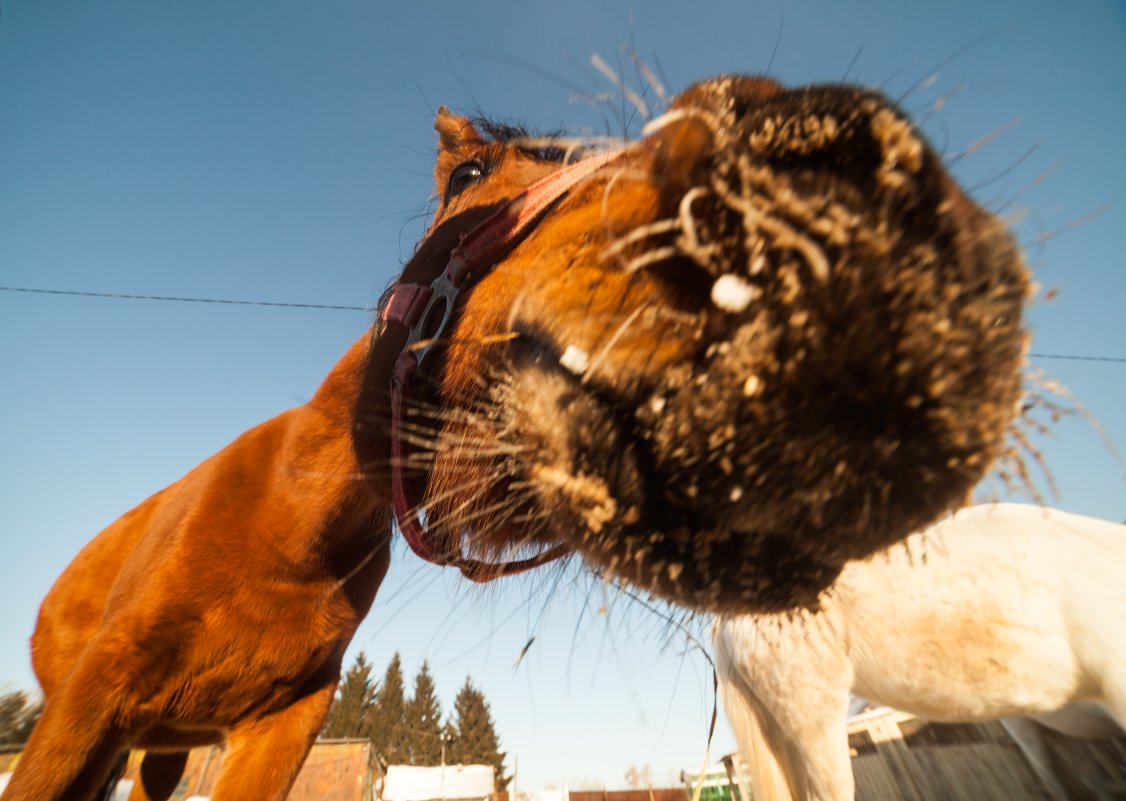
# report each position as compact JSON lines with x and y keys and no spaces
{"x":862,"y":356}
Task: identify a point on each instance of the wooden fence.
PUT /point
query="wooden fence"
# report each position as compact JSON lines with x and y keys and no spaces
{"x":896,"y":756}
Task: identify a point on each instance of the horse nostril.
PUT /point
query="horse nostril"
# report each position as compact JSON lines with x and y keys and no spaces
{"x":685,"y":140}
{"x":689,"y":285}
{"x":699,"y":121}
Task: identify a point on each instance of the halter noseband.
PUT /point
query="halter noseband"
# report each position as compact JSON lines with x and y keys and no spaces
{"x":425,"y":310}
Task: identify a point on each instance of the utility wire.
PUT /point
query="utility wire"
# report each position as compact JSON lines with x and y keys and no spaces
{"x":124,"y":296}
{"x":1118,"y":359}
{"x":332,"y":307}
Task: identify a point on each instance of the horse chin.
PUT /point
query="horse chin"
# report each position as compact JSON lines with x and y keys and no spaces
{"x":594,"y":469}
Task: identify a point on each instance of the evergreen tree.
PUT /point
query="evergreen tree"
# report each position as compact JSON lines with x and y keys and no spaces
{"x":422,"y":721}
{"x":476,"y":742}
{"x":387,"y":732}
{"x":17,"y":718}
{"x":351,"y":711}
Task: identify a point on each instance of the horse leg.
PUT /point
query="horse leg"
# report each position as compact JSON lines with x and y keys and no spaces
{"x":109,"y":786}
{"x":72,"y":751}
{"x":828,"y":767}
{"x":1029,"y":735}
{"x":1053,"y":743}
{"x":1114,"y":693}
{"x":265,"y":753}
{"x":774,"y":771}
{"x":160,"y":773}
{"x":809,"y":700}
{"x":785,"y":687}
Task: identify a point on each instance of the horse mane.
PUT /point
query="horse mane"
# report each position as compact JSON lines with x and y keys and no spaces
{"x":531,"y":142}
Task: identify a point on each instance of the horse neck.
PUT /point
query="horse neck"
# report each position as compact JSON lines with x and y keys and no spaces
{"x":323,"y":443}
{"x":354,"y":401}
{"x":339,"y":394}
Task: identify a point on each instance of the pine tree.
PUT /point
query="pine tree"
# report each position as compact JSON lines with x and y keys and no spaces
{"x":476,"y":742}
{"x":17,"y":718}
{"x":387,"y":733}
{"x":351,"y":711}
{"x":423,"y":720}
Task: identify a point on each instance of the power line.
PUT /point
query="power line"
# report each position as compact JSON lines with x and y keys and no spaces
{"x":334,"y":307}
{"x":124,"y":296}
{"x":1117,"y":359}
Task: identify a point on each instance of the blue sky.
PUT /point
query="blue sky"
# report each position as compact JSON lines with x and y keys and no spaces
{"x":281,"y":151}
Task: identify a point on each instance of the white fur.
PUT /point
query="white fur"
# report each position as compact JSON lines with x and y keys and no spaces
{"x":998,"y":611}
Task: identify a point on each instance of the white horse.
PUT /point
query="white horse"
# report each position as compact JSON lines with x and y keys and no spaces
{"x":1000,"y":610}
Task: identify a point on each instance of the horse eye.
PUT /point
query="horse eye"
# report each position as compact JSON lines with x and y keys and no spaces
{"x":463,"y":177}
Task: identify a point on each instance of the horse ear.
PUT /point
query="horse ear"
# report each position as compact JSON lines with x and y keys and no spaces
{"x":454,"y":132}
{"x":458,"y":140}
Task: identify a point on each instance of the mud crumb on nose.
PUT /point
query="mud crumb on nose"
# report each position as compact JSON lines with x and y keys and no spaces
{"x":575,"y":359}
{"x":732,"y":294}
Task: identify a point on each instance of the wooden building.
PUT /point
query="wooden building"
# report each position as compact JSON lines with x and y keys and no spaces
{"x":897,"y":756}
{"x":336,"y":770}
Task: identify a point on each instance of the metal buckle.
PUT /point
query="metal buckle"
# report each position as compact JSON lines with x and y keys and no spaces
{"x":425,"y":333}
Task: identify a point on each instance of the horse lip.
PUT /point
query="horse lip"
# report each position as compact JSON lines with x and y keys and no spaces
{"x":589,"y":429}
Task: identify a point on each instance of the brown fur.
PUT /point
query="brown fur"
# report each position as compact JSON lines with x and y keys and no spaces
{"x":221,"y":607}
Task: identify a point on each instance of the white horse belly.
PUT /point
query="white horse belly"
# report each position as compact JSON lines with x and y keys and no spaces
{"x":945,"y":642}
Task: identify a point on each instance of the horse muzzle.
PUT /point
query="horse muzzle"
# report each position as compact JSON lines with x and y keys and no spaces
{"x":772,"y":337}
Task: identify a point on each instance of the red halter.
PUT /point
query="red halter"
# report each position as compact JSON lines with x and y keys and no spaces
{"x":426,"y":310}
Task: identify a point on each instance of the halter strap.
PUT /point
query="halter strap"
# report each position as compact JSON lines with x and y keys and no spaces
{"x":425,"y":310}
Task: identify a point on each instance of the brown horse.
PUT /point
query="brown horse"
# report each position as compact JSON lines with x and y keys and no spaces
{"x":771,"y":336}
